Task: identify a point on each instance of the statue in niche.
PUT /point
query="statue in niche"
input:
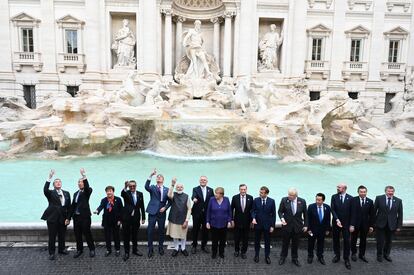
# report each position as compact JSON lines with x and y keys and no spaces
{"x":269,"y":50}
{"x":197,"y":63}
{"x":123,"y":46}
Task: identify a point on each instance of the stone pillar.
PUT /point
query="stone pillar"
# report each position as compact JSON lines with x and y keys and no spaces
{"x":299,"y":37}
{"x":247,"y":47}
{"x":167,"y":42}
{"x":6,"y":51}
{"x":178,"y":38}
{"x":410,"y":40}
{"x":47,"y":33}
{"x":92,"y":31}
{"x":216,"y":38}
{"x":227,"y":43}
{"x":148,"y":21}
{"x":377,"y":37}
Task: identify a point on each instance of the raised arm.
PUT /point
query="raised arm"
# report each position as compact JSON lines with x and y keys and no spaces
{"x":46,"y":190}
{"x":147,"y":183}
{"x":170,"y":193}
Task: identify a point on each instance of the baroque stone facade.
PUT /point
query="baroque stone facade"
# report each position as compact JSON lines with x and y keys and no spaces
{"x":361,"y":47}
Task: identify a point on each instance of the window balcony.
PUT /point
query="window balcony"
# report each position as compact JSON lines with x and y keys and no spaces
{"x":66,"y":60}
{"x":33,"y":59}
{"x":317,"y":67}
{"x":388,"y":68}
{"x":355,"y":68}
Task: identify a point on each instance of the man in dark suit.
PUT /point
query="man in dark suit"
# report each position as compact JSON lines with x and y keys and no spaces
{"x":156,"y":209}
{"x":319,"y":225}
{"x":293,"y":215}
{"x":263,"y":219}
{"x":56,"y":215}
{"x":362,"y":222}
{"x":341,"y":212}
{"x":389,"y":218}
{"x":133,"y":216}
{"x":81,"y":214}
{"x":201,"y":196}
{"x":241,"y":207}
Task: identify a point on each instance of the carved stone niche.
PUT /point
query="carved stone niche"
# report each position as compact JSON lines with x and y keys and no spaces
{"x":270,"y":44}
{"x":117,"y":24}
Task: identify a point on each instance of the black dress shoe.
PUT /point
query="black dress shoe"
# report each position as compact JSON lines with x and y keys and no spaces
{"x":193,"y":250}
{"x":347,"y":264}
{"x":205,"y":250}
{"x":185,"y":253}
{"x":322,"y":261}
{"x":268,"y":261}
{"x":92,"y":253}
{"x":335,"y":259}
{"x":236,"y":254}
{"x":52,"y":257}
{"x":107,"y":253}
{"x":117,"y":253}
{"x":362,"y":258}
{"x":77,"y":254}
{"x":243,"y":256}
{"x":379,"y":259}
{"x":310,"y":260}
{"x":126,"y":257}
{"x":150,"y":253}
{"x":282,"y":260}
{"x":64,"y":252}
{"x":137,"y":253}
{"x":354,"y":257}
{"x":174,"y":253}
{"x":387,"y":258}
{"x":256,"y":259}
{"x":296,"y":262}
{"x":161,"y":251}
{"x":213,"y":255}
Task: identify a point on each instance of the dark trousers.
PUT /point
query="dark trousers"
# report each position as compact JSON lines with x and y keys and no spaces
{"x":318,"y":237}
{"x":59,"y":230}
{"x":198,"y":222}
{"x":288,"y":236}
{"x":159,"y":219}
{"x":362,"y":234}
{"x":218,"y":240}
{"x":241,"y":235}
{"x":257,"y":238}
{"x":130,"y":230}
{"x":336,"y":235}
{"x":384,"y":240}
{"x":82,"y":226}
{"x":112,"y":231}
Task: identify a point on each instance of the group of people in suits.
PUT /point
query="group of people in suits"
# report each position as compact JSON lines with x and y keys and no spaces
{"x":347,"y":217}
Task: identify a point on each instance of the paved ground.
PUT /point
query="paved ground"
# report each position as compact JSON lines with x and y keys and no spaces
{"x":34,"y":260}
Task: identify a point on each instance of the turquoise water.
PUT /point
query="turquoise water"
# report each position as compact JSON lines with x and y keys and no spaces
{"x":22,"y":181}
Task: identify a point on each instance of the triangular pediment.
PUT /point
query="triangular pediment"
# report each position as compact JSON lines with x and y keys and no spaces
{"x":359,"y":30}
{"x":70,"y":19}
{"x":24,"y":17}
{"x":397,"y":31}
{"x":319,"y":28}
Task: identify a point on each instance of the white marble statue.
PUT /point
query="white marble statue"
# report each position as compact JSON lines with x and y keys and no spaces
{"x":152,"y":92}
{"x":243,"y":95}
{"x":197,"y":63}
{"x":123,"y":46}
{"x":269,"y":50}
{"x":128,"y":93}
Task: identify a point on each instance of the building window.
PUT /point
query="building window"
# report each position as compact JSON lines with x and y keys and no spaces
{"x":72,"y":90}
{"x":388,"y":104}
{"x":71,"y":37}
{"x":317,"y":49}
{"x":314,"y":96}
{"x":353,"y":95}
{"x":27,"y":40}
{"x":393,"y":51}
{"x":355,"y":50}
{"x":29,"y":93}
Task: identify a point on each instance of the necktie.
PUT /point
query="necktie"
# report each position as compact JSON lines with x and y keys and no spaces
{"x":263,"y":203}
{"x":159,"y":191}
{"x":389,"y":203}
{"x":293,"y":207}
{"x":363,"y":202}
{"x":320,"y":213}
{"x":341,"y":198}
{"x":242,"y":204}
{"x":135,"y":198}
{"x":204,"y":193}
{"x":62,"y":199}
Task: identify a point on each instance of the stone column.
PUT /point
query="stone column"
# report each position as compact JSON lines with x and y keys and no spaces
{"x":227,"y":43}
{"x":148,"y":21}
{"x":410,"y":40}
{"x":47,"y":33}
{"x":6,"y":51}
{"x":167,"y":42}
{"x":178,"y":38}
{"x":299,"y":37}
{"x":93,"y":39}
{"x":377,"y":37}
{"x":247,"y":47}
{"x":216,"y":38}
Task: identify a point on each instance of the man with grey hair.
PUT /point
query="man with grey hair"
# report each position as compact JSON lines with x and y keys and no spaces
{"x":56,"y":215}
{"x":293,"y":215}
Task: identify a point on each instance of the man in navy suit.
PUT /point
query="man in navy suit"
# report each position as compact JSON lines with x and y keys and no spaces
{"x":263,"y":219}
{"x":156,"y":209}
{"x":200,"y":197}
{"x":389,"y":218}
{"x":319,"y":225}
{"x":341,"y":212}
{"x":56,"y":215}
{"x":362,"y":222}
